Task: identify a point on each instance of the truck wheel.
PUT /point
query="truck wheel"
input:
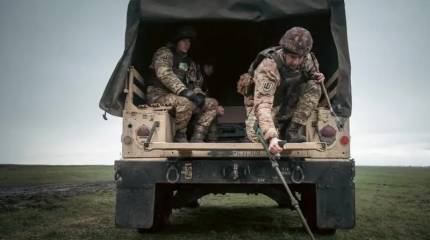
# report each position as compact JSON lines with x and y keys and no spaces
{"x":162,"y":210}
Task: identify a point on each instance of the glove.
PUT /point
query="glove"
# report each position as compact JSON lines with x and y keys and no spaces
{"x":197,"y":99}
{"x":187,"y":93}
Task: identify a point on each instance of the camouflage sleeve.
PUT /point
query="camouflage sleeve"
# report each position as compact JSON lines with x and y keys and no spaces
{"x":195,"y":78}
{"x":266,"y":78}
{"x":163,"y":67}
{"x":310,"y":66}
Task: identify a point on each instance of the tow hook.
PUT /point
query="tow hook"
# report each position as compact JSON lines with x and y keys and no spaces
{"x":172,"y":174}
{"x":297,"y":175}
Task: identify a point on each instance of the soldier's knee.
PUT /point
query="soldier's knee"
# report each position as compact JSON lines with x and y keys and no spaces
{"x":211,"y":103}
{"x":184,"y":104}
{"x":184,"y":101}
{"x":314,"y":87}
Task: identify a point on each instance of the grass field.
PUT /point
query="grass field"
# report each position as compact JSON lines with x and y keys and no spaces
{"x":13,"y":175}
{"x":391,"y":203}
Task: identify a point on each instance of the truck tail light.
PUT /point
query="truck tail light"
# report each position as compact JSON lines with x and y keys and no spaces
{"x":344,"y":140}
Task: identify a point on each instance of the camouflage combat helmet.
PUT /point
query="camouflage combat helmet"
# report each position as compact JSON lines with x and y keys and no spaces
{"x":297,"y":40}
{"x":184,"y":32}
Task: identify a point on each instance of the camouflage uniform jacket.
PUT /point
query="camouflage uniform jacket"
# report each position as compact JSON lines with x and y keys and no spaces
{"x":174,"y":73}
{"x":267,"y":80}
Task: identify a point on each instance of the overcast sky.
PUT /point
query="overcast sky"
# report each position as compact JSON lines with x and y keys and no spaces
{"x":56,"y":57}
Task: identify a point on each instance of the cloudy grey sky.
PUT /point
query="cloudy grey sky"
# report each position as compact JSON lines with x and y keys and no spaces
{"x":56,"y":57}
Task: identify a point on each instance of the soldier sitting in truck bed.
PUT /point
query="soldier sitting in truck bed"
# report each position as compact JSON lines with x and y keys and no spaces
{"x":287,"y":83}
{"x":208,"y":69}
{"x":177,"y":81}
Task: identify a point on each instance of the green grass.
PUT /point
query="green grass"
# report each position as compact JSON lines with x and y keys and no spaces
{"x":391,"y":203}
{"x":15,"y":175}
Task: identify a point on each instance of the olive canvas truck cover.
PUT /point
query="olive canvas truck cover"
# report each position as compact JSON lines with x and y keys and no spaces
{"x":142,"y":13}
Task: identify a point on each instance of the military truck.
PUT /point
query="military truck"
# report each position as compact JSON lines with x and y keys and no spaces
{"x":156,"y":174}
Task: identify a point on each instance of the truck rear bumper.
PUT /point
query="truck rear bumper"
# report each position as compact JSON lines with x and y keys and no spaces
{"x":332,"y":185}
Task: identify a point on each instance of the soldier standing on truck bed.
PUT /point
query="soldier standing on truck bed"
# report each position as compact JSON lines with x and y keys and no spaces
{"x":286,"y":88}
{"x":177,"y":81}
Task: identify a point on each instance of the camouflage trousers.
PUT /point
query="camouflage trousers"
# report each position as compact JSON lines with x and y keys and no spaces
{"x":213,"y":131}
{"x":184,"y":109}
{"x":300,"y":103}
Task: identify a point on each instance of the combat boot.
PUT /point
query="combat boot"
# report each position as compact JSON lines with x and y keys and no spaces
{"x":199,"y":134}
{"x":181,"y":136}
{"x":296,"y":133}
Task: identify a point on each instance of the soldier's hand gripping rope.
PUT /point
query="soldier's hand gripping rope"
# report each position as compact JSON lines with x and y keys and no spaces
{"x":274,"y":161}
{"x":324,"y":89}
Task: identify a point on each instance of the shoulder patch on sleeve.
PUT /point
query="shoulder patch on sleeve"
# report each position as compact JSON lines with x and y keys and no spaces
{"x":162,"y":57}
{"x":268,"y":86}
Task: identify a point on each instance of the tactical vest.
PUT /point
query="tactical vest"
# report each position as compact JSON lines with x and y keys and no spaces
{"x":289,"y":78}
{"x":181,"y":66}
